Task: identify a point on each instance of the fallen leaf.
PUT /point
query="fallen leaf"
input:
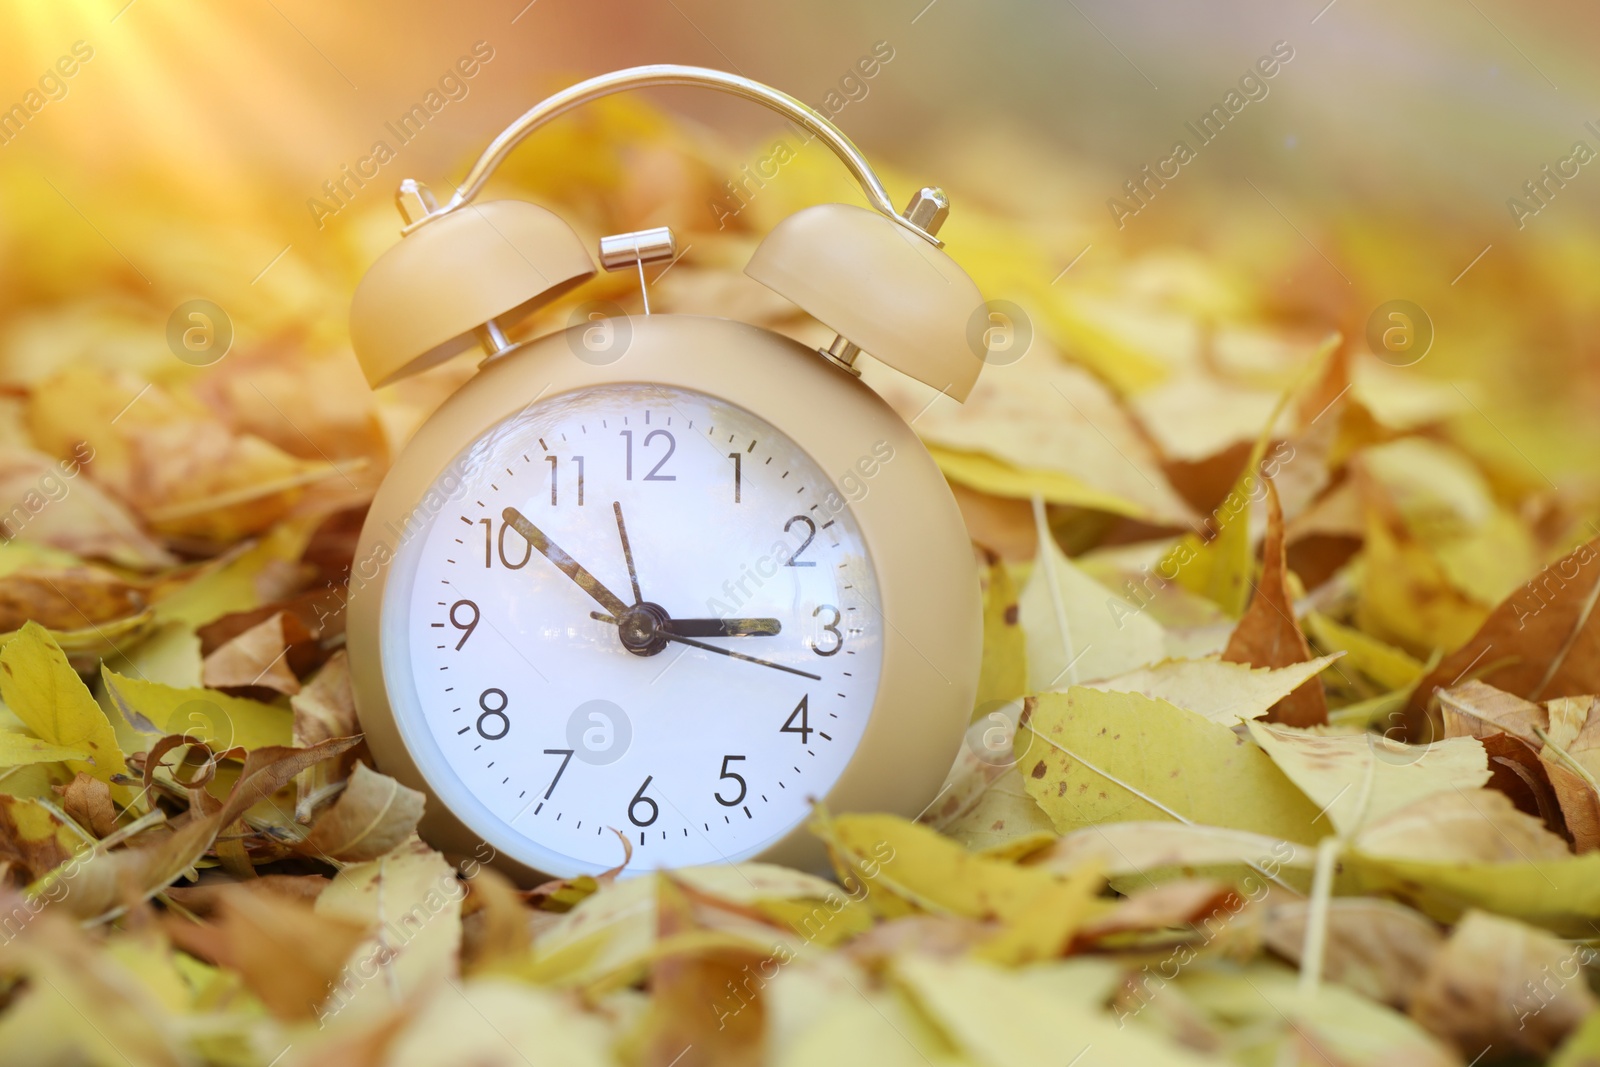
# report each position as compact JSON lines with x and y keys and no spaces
{"x":1004,"y":675}
{"x":288,"y":955}
{"x":1357,"y":779}
{"x":1268,"y":636}
{"x":1378,"y":948}
{"x":411,"y":898}
{"x":257,"y":657}
{"x":88,"y":801}
{"x":1076,"y":629}
{"x":38,"y":685}
{"x":1500,"y":984}
{"x":55,"y":506}
{"x":18,"y":749}
{"x":33,"y":839}
{"x":221,"y":721}
{"x":373,"y":816}
{"x":1094,"y":757}
{"x":1541,"y":642}
{"x":1222,"y":691}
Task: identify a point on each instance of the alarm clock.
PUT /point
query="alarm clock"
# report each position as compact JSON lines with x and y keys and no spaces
{"x":652,"y":587}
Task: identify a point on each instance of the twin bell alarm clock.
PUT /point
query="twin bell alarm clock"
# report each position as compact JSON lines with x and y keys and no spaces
{"x":672,"y":596}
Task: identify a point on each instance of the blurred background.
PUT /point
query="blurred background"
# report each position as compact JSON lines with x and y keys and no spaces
{"x":185,"y":157}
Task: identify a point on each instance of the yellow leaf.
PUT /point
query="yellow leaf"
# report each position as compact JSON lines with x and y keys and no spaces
{"x":256,"y":573}
{"x":498,"y":1021}
{"x":1356,"y":779}
{"x":220,"y":720}
{"x":46,"y":694}
{"x":1045,"y":926}
{"x":1383,"y":663}
{"x":999,"y":478}
{"x":18,"y":749}
{"x":1224,"y":692}
{"x":1004,"y":675}
{"x":411,"y":898}
{"x":1090,"y":757}
{"x":1076,"y":629}
{"x":1022,"y":1019}
{"x":909,"y":868}
{"x":1055,"y":430}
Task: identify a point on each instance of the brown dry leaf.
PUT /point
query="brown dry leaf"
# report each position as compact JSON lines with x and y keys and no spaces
{"x":288,"y":955}
{"x":1268,"y":636}
{"x":33,"y":840}
{"x":326,"y":707}
{"x":56,"y":507}
{"x":696,"y":1003}
{"x":88,"y":800}
{"x":257,"y":657}
{"x":1163,"y":907}
{"x":1376,"y":947}
{"x":373,"y":815}
{"x":206,"y":898}
{"x":1541,"y":642}
{"x":1463,"y":826}
{"x":1476,"y":709}
{"x":180,"y":467}
{"x":103,"y":884}
{"x":1503,"y":985}
{"x":69,"y":598}
{"x":1538,"y":775}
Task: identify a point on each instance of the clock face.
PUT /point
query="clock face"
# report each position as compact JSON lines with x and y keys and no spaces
{"x":632,"y":610}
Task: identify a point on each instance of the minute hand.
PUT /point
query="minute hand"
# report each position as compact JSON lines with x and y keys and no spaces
{"x":564,"y":563}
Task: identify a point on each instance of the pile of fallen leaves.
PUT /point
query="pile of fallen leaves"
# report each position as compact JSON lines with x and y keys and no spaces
{"x":1284,"y":751}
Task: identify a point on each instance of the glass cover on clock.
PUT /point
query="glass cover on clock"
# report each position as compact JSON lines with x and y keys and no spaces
{"x":633,"y":610}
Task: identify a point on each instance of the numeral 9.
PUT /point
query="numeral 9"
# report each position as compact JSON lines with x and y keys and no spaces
{"x":467,"y":627}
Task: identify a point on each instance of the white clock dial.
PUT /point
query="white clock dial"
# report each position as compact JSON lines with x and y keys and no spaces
{"x":696,"y":702}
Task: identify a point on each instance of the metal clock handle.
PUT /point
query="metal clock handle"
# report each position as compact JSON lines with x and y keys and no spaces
{"x":665,"y":74}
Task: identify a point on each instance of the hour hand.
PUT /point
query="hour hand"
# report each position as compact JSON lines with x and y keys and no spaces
{"x":564,"y":563}
{"x":723,"y":627}
{"x":710,"y":627}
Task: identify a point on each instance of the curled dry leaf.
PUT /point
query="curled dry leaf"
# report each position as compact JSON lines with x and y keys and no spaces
{"x":258,"y":657}
{"x":373,"y":815}
{"x":88,"y":801}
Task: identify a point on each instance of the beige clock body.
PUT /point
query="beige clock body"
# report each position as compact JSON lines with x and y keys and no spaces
{"x":926,"y":578}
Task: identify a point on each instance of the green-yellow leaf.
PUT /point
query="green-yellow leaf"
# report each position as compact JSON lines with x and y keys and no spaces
{"x":44,"y":692}
{"x":220,"y":720}
{"x":18,"y":749}
{"x":1378,"y":660}
{"x":1090,"y":757}
{"x":910,"y":868}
